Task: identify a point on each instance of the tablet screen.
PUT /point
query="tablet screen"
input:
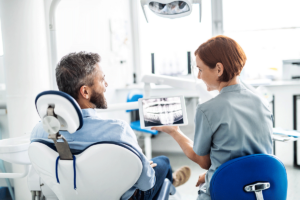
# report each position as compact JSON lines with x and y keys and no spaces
{"x":162,"y":111}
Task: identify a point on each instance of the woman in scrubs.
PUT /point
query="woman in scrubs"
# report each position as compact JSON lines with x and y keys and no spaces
{"x":233,"y":124}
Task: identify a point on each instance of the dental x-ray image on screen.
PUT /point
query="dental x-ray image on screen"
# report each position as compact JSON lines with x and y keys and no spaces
{"x":162,"y":111}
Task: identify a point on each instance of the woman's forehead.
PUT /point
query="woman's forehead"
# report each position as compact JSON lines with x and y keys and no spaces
{"x":199,"y":61}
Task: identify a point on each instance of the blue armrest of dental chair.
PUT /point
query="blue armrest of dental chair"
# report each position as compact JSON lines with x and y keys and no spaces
{"x":115,"y":170}
{"x":258,"y":176}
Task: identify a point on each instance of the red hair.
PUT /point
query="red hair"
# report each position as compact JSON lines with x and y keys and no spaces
{"x":222,"y":49}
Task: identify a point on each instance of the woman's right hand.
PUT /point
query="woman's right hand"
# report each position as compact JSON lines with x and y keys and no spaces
{"x":167,"y":129}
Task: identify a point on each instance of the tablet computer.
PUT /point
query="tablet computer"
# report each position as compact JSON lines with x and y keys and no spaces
{"x":162,"y":111}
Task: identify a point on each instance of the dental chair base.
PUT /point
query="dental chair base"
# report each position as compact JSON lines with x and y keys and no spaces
{"x":39,"y":190}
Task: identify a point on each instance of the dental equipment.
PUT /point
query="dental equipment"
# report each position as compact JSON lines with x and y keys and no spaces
{"x":170,"y":8}
{"x":15,"y":151}
{"x":59,"y":112}
{"x":174,"y":82}
{"x":179,"y":83}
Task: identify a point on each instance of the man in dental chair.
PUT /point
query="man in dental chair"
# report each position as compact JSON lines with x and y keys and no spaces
{"x":80,"y":75}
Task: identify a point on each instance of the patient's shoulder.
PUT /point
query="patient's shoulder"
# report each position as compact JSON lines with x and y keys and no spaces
{"x":38,"y":127}
{"x":121,"y":124}
{"x":38,"y":131}
{"x":107,"y":124}
{"x":113,"y":122}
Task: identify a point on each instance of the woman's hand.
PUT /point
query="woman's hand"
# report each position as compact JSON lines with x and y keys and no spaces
{"x":167,"y":129}
{"x":201,"y":179}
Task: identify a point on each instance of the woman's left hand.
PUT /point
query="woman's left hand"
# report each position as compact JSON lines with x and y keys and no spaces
{"x":167,"y":129}
{"x":201,"y":179}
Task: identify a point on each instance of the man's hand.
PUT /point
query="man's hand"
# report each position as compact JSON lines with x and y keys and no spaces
{"x":152,"y":164}
{"x":201,"y":179}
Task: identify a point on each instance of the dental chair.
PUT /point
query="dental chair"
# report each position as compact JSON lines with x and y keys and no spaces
{"x":104,"y":170}
{"x":258,"y":176}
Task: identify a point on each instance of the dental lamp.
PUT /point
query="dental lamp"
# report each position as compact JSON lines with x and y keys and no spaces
{"x":170,"y":8}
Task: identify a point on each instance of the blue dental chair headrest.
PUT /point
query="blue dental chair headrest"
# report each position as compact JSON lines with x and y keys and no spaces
{"x":68,"y":113}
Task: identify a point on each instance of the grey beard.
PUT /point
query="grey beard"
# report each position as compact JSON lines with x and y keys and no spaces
{"x":99,"y":100}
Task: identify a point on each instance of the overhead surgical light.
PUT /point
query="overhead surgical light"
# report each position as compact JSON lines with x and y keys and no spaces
{"x":170,"y":8}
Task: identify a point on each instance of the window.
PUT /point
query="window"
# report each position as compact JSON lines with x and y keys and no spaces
{"x":171,"y":39}
{"x":267,"y":30}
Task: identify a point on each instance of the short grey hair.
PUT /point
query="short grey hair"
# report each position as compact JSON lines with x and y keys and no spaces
{"x":75,"y":70}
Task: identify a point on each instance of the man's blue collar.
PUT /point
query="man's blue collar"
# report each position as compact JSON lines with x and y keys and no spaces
{"x":89,"y":112}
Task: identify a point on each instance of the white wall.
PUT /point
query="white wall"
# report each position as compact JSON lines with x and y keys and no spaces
{"x":97,"y":26}
{"x":2,"y":77}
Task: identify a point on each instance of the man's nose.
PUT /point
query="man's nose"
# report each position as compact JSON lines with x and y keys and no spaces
{"x":106,"y":84}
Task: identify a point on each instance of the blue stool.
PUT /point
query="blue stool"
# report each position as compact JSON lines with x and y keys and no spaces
{"x":258,"y":176}
{"x":135,"y":124}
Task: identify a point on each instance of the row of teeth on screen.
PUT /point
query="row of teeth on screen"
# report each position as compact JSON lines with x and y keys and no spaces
{"x":163,"y":108}
{"x":164,"y":118}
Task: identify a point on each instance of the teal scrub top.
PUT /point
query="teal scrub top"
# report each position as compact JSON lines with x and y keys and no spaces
{"x":233,"y":124}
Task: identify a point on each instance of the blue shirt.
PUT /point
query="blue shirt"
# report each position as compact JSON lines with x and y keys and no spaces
{"x":94,"y":130}
{"x":233,"y":124}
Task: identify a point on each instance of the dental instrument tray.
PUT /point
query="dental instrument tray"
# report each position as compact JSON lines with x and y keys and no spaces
{"x":162,"y":111}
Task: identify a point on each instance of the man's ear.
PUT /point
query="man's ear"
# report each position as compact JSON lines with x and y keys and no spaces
{"x":220,"y":68}
{"x":85,"y":92}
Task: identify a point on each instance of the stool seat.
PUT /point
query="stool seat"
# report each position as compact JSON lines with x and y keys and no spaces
{"x":230,"y":180}
{"x":137,"y":126}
